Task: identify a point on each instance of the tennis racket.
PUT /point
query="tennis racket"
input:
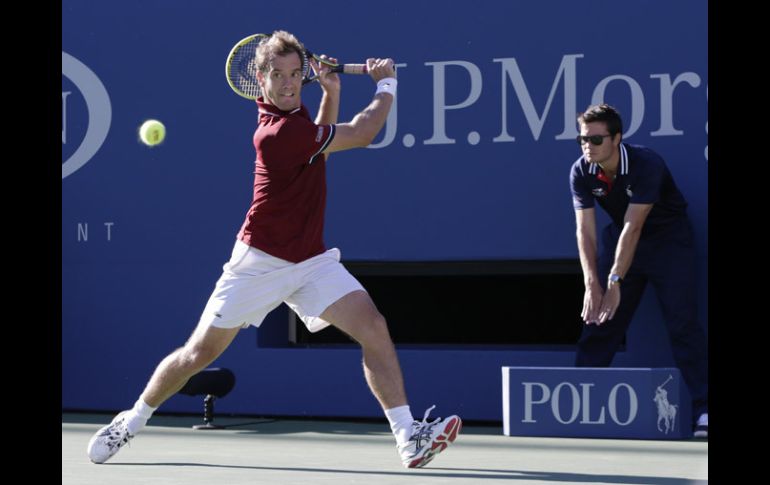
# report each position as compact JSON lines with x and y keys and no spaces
{"x":241,"y":67}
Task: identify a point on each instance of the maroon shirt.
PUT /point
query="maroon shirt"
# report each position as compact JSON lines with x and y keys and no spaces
{"x":286,"y":217}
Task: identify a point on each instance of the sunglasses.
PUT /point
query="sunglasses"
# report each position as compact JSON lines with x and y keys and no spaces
{"x":594,"y":139}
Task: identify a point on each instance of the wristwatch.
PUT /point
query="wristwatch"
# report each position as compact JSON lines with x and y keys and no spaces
{"x":615,"y":278}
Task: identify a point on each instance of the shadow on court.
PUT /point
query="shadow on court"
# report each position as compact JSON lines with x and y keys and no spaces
{"x":475,"y":474}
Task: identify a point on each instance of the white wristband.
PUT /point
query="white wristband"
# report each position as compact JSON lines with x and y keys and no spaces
{"x":387,"y":85}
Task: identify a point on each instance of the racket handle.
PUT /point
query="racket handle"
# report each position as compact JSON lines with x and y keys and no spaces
{"x":351,"y":68}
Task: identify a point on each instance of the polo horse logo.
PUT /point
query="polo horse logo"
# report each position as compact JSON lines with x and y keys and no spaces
{"x":666,"y":410}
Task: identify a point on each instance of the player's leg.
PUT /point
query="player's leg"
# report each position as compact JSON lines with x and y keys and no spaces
{"x":331,"y":295}
{"x":250,"y":286}
{"x":356,"y":315}
{"x":201,"y":349}
{"x":205,"y":345}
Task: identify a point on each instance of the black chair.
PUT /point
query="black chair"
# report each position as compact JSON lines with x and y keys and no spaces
{"x":212,"y":383}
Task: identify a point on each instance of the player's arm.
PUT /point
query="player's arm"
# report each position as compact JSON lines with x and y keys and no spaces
{"x":585,"y":220}
{"x":633,"y":222}
{"x":363,"y":128}
{"x":329,"y":109}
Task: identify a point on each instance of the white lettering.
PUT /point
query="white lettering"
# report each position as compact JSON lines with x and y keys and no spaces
{"x":667,"y":101}
{"x":82,"y":231}
{"x":575,"y":403}
{"x":439,"y":98}
{"x":528,"y":401}
{"x":633,"y":405}
{"x":511,"y":75}
{"x":568,"y":70}
{"x":579,"y":400}
{"x":109,"y":225}
{"x":586,"y":394}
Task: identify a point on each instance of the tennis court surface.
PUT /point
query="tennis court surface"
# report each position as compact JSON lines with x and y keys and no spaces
{"x":253,"y":451}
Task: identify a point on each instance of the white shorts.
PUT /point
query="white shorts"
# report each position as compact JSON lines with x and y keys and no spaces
{"x":253,"y":283}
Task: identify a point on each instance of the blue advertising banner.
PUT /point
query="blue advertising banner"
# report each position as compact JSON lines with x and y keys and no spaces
{"x":596,"y":403}
{"x":473,"y":163}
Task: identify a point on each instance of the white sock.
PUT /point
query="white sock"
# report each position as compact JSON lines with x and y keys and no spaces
{"x":703,"y":420}
{"x":400,"y":419}
{"x":138,"y":416}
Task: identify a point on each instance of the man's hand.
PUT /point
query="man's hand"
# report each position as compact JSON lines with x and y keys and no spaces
{"x":591,"y":304}
{"x":380,"y":68}
{"x":328,"y":80}
{"x":609,"y":303}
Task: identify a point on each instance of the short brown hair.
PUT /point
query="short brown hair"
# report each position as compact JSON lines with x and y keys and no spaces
{"x":280,"y":43}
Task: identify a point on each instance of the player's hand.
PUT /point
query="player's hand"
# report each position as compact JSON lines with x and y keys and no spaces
{"x":380,"y":68}
{"x":592,"y":300}
{"x":328,"y":80}
{"x":609,"y":304}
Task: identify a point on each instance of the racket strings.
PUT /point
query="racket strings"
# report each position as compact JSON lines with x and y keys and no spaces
{"x":246,"y":69}
{"x":307,"y":70}
{"x":242,"y":67}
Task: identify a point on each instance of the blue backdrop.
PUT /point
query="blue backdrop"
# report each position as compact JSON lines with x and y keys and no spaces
{"x":472,"y":165}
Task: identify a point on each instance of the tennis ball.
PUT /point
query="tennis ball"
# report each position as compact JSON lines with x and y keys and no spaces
{"x":152,"y":132}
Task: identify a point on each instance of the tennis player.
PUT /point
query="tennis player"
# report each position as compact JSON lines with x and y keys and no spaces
{"x":279,"y":254}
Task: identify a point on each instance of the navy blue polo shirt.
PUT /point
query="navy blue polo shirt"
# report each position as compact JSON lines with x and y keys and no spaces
{"x":642,"y":178}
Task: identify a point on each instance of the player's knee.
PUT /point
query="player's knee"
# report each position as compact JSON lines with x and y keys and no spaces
{"x":379,"y":323}
{"x":377,"y":328}
{"x":197,"y":357}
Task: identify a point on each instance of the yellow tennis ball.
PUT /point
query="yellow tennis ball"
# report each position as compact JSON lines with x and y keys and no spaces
{"x":152,"y":132}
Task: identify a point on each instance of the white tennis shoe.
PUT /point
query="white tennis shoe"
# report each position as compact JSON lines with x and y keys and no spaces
{"x":109,"y":439}
{"x":428,"y":439}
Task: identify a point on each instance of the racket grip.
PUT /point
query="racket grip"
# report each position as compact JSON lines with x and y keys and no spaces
{"x":351,"y":69}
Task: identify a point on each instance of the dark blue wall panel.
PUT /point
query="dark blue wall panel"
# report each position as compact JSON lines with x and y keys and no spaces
{"x":473,"y":165}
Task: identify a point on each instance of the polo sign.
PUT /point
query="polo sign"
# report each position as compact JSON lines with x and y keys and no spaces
{"x":642,"y":403}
